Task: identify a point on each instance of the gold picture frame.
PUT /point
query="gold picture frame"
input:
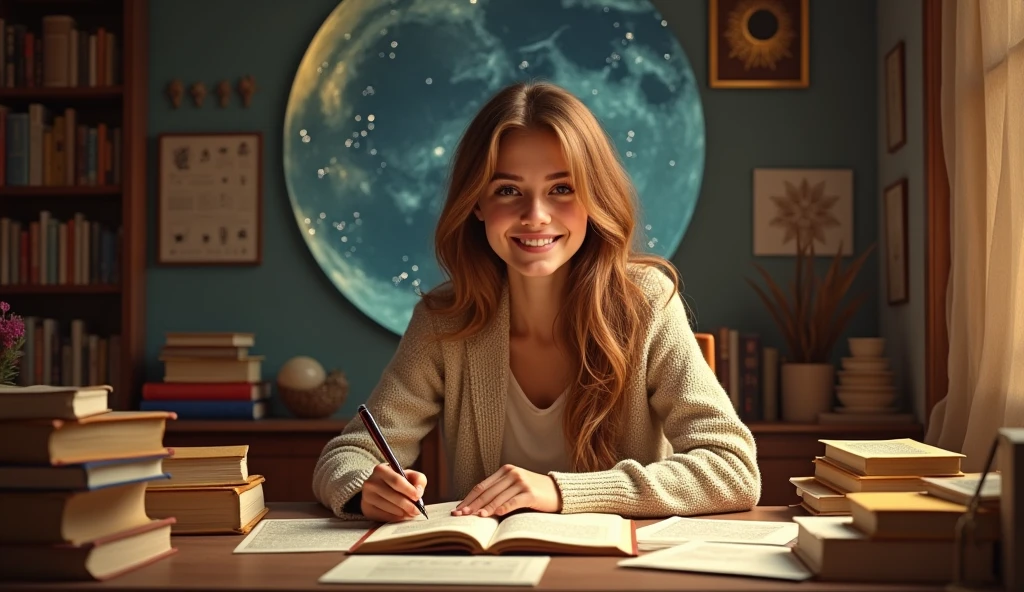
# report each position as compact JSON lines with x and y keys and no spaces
{"x":759,"y":43}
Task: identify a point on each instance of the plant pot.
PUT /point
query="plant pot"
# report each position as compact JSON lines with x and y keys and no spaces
{"x":806,"y":391}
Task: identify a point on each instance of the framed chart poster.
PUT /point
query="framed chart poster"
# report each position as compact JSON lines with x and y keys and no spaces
{"x":210,"y":198}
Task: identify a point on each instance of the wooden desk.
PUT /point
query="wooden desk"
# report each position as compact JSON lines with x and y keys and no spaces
{"x":207,"y":563}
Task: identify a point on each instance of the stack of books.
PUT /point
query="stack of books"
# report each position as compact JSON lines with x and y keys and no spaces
{"x":901,"y":525}
{"x":870,"y":466}
{"x":210,"y":491}
{"x":73,"y":478}
{"x":209,"y":376}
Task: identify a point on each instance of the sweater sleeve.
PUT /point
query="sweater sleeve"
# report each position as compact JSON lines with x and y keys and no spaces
{"x":405,"y":404}
{"x":713,"y":464}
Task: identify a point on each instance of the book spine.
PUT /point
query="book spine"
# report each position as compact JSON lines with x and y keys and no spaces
{"x":197,"y":391}
{"x":203,"y":409}
{"x":750,"y":390}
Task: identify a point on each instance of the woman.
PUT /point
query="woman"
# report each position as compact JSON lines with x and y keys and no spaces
{"x":560,"y":362}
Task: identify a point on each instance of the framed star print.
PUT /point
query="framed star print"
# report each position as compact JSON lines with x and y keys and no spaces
{"x":894,"y":201}
{"x":803,"y":206}
{"x":210,"y":198}
{"x":758,"y":44}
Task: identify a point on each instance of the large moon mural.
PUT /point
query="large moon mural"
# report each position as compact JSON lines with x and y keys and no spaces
{"x":386,"y":88}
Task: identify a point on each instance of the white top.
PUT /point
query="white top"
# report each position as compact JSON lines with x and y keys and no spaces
{"x":533,"y":437}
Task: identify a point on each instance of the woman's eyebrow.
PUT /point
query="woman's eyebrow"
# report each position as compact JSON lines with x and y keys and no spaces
{"x":511,"y":177}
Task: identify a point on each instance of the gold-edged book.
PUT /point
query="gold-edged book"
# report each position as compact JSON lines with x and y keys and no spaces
{"x":222,"y":509}
{"x":819,"y":498}
{"x":101,"y":559}
{"x":208,"y":339}
{"x":198,"y":466}
{"x":915,"y":515}
{"x":530,"y":532}
{"x":106,"y":436}
{"x":844,"y":481}
{"x":896,"y":457}
{"x":43,"y":401}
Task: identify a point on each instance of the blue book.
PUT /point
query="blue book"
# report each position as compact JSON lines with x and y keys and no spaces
{"x":83,"y":476}
{"x":209,"y":409}
{"x":17,"y":149}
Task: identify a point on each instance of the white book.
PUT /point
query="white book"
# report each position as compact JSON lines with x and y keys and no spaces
{"x":438,"y":570}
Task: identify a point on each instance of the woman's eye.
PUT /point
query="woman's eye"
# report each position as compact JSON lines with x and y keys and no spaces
{"x":506,"y":190}
{"x":562,"y":190}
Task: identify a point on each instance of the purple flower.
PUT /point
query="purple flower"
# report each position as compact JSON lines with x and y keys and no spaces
{"x":4,"y":307}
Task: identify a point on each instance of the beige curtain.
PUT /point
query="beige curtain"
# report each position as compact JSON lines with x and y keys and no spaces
{"x":983,"y":140}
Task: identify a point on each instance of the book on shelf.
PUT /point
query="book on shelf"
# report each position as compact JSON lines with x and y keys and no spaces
{"x":206,"y":391}
{"x":65,"y":353}
{"x":210,"y":509}
{"x":99,"y":559}
{"x":748,"y":370}
{"x":106,"y":436}
{"x":230,"y":353}
{"x":961,"y":489}
{"x":895,"y":457}
{"x":84,"y":476}
{"x":55,"y":52}
{"x":54,"y":402}
{"x":915,"y":515}
{"x":209,"y":339}
{"x":193,"y":466}
{"x":47,"y":251}
{"x":532,"y":532}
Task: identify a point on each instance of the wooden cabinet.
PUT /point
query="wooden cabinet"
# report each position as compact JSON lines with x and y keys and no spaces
{"x":285,"y":451}
{"x":786,"y":450}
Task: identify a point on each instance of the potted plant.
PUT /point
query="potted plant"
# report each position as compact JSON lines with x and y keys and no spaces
{"x":12,"y":339}
{"x":811,"y":318}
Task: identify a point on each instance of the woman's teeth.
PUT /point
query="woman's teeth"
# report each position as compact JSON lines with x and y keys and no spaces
{"x":538,"y":242}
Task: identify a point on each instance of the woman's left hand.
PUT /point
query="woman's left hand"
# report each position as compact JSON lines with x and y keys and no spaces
{"x":508,"y":489}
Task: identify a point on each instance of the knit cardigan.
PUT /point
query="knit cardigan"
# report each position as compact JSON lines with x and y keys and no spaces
{"x":684,"y":450}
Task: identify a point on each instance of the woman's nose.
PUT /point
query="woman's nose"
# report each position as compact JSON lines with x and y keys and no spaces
{"x":535,"y":212}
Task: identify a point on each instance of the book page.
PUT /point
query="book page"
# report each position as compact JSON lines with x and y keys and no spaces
{"x":968,"y":485}
{"x":302,"y":535}
{"x":592,"y":530}
{"x":437,"y":570}
{"x":763,"y":561}
{"x":898,"y":448}
{"x":680,"y":530}
{"x":441,"y":521}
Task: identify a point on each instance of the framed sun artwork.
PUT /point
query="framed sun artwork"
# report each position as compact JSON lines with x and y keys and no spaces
{"x":758,"y":44}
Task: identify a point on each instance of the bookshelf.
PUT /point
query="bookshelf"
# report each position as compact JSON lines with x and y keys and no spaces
{"x":108,"y":52}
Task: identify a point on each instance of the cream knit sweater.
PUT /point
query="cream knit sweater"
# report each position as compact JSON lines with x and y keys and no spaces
{"x":684,"y":451}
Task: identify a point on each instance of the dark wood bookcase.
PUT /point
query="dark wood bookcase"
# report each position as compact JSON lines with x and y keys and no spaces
{"x":111,"y":308}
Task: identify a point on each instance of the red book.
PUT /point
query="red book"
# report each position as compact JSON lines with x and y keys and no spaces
{"x":205,"y":391}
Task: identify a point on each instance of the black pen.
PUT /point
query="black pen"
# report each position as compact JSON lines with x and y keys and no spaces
{"x":382,"y":445}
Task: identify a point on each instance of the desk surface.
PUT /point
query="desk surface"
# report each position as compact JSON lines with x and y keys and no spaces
{"x":207,"y":563}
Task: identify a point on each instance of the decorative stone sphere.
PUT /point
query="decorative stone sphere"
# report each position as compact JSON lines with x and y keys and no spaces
{"x":301,"y":373}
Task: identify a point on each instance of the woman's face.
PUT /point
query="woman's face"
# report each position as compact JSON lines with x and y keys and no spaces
{"x":533,"y":218}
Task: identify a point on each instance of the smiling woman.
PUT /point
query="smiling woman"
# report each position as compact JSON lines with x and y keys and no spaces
{"x":559,"y":359}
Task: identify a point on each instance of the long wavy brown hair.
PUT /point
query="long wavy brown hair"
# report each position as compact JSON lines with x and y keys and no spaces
{"x":604,"y":309}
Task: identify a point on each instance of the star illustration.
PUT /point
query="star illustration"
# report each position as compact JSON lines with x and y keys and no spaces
{"x":804,"y":212}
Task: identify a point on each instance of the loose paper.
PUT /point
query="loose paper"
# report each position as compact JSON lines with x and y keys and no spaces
{"x":677,"y":530}
{"x":303,"y":535}
{"x":763,"y":561}
{"x":433,"y":570}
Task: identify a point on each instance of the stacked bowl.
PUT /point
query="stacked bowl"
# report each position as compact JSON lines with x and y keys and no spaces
{"x":866,"y":382}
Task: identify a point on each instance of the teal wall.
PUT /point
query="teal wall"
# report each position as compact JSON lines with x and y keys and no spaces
{"x":902,"y":325}
{"x":292,"y":307}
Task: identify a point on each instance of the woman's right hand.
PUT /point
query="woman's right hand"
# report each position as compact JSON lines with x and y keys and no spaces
{"x":387,"y":497}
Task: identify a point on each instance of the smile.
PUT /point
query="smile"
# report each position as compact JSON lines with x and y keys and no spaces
{"x":536,"y":245}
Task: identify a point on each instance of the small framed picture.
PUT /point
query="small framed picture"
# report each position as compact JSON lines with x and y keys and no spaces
{"x":894,"y":200}
{"x":810,"y":207}
{"x":210,"y":198}
{"x":758,"y":44}
{"x":895,"y":99}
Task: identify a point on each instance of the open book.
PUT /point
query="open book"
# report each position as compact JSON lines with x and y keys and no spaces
{"x":529,"y":532}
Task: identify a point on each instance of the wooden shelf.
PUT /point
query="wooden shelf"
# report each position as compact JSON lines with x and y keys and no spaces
{"x":60,"y":93}
{"x":258,"y":425}
{"x":824,"y":429}
{"x":60,"y":191}
{"x":61,"y":289}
